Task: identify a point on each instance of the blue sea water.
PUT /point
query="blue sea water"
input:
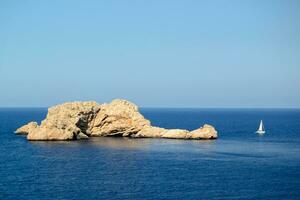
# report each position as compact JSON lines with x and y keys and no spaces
{"x":238,"y":165}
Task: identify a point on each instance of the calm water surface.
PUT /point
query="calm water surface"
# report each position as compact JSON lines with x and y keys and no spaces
{"x":238,"y":165}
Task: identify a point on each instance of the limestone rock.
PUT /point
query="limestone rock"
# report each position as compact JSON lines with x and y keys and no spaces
{"x":120,"y":117}
{"x":66,"y":121}
{"x":79,"y":120}
{"x":24,"y":130}
{"x":175,"y":133}
{"x":207,"y":132}
{"x":82,"y":136}
{"x":51,"y":133}
{"x":150,"y":132}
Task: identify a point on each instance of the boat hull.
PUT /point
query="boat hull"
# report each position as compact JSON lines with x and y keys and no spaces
{"x":261,"y":132}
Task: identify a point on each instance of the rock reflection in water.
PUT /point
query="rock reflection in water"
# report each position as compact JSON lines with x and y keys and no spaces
{"x":153,"y":144}
{"x":120,"y":142}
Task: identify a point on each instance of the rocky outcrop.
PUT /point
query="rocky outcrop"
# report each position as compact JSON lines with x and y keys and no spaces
{"x":23,"y":130}
{"x":81,"y":120}
{"x":120,"y":117}
{"x":205,"y":132}
{"x":66,"y":121}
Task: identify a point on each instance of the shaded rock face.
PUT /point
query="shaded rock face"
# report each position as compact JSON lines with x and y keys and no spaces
{"x":80,"y":120}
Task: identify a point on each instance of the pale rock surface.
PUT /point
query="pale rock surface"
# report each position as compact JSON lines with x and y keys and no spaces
{"x":51,"y":133}
{"x":175,"y":134}
{"x":66,"y":121}
{"x":120,"y":117}
{"x":79,"y":120}
{"x":23,"y":130}
{"x":150,"y":132}
{"x":206,"y":132}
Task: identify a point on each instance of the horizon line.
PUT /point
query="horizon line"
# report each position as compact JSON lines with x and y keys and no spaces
{"x":166,"y":107}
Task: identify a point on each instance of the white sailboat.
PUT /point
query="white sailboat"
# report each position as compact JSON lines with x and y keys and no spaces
{"x":261,"y":129}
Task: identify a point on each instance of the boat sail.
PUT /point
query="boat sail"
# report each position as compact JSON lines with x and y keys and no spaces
{"x":261,"y":129}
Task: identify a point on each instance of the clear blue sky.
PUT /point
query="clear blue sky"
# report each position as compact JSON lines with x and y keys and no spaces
{"x":154,"y":53}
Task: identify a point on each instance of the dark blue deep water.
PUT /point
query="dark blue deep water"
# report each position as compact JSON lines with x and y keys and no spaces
{"x":238,"y":165}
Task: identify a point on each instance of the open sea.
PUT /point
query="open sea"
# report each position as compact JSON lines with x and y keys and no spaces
{"x":238,"y":165}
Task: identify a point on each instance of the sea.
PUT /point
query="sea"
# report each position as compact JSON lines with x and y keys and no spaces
{"x":240,"y":164}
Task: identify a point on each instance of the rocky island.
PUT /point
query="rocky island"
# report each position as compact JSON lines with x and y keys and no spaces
{"x":81,"y":120}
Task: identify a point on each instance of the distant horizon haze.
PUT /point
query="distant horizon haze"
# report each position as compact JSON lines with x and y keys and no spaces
{"x":171,"y":54}
{"x":164,"y":107}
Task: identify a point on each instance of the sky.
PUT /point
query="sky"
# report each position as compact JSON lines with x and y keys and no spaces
{"x":158,"y":53}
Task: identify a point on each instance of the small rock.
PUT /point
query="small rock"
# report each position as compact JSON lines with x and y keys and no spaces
{"x":24,"y":130}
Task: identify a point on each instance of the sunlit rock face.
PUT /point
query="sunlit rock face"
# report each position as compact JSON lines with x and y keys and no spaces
{"x":81,"y":120}
{"x":120,"y":117}
{"x":24,"y":130}
{"x":66,"y":121}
